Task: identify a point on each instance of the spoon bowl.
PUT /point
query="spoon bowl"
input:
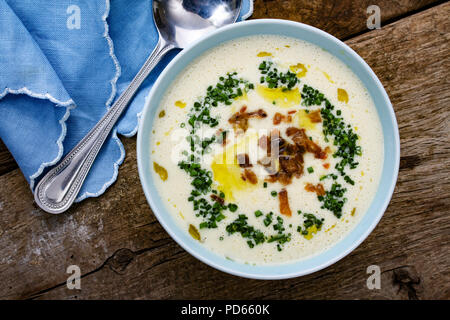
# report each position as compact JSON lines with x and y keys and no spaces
{"x":181,"y":22}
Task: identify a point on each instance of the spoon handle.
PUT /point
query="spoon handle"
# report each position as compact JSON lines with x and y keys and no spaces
{"x":58,"y":189}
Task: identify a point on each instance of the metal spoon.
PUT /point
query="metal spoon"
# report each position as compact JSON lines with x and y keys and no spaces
{"x":179,"y":23}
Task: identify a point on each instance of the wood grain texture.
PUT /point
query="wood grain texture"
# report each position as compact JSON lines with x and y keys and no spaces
{"x":342,"y":19}
{"x":7,"y":162}
{"x":123,"y":252}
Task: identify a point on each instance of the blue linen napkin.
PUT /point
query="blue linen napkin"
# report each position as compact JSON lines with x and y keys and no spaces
{"x":62,"y":64}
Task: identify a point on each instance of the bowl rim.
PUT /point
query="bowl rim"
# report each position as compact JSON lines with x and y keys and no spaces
{"x":388,"y":194}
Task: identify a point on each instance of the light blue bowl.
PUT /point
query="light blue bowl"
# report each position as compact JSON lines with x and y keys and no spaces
{"x":385,"y":113}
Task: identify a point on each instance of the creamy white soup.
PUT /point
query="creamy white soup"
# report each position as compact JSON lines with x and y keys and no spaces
{"x":267,"y":149}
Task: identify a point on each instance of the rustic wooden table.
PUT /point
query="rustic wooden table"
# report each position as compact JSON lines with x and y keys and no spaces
{"x":123,"y":252}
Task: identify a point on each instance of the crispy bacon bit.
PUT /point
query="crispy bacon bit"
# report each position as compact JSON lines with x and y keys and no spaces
{"x":278,"y":118}
{"x":298,"y":136}
{"x":314,"y":148}
{"x":302,"y":141}
{"x":292,"y":111}
{"x":284,"y":178}
{"x":218,"y":199}
{"x":315,"y":116}
{"x":291,"y":161}
{"x":243,"y":160}
{"x":310,"y":187}
{"x":284,"y":203}
{"x":318,"y":189}
{"x":260,"y":113}
{"x":280,"y":176}
{"x":239,"y":120}
{"x":289,"y":156}
{"x":250,"y":176}
{"x":326,"y":165}
{"x":321,"y":155}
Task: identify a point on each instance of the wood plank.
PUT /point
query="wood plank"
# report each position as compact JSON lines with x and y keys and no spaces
{"x":124,"y":253}
{"x":7,"y":162}
{"x":342,"y":19}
